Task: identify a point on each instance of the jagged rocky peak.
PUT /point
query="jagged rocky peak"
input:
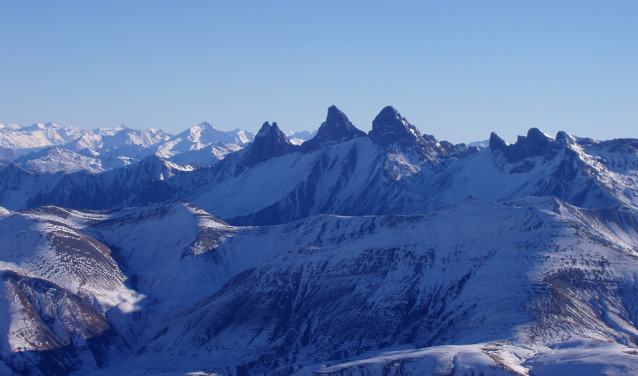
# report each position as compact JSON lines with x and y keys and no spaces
{"x":271,"y":132}
{"x":269,"y":142}
{"x":389,"y":127}
{"x":535,"y":144}
{"x":264,"y":130}
{"x":337,"y":128}
{"x":564,"y":138}
{"x":497,"y":143}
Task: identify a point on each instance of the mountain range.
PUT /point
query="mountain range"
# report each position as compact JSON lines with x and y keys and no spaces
{"x":50,"y":148}
{"x":350,"y":253}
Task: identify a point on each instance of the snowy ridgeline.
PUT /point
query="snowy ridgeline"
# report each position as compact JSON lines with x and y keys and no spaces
{"x":530,"y":285}
{"x":49,"y":148}
{"x":392,"y":170}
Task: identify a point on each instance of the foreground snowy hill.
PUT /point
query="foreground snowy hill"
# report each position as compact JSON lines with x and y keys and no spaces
{"x":528,"y":287}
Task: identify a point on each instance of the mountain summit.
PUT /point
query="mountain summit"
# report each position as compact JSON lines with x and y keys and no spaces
{"x":389,"y":127}
{"x":269,"y":142}
{"x":337,"y":128}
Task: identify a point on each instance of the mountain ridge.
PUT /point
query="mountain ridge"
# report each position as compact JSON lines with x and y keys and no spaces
{"x":348,"y":173}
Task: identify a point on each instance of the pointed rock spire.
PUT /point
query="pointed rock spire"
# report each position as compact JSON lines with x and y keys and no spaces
{"x":537,"y":142}
{"x":389,"y":127}
{"x":496,"y":142}
{"x":337,"y":128}
{"x":269,"y":142}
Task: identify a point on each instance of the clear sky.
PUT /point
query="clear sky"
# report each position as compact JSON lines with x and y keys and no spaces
{"x":455,"y":69}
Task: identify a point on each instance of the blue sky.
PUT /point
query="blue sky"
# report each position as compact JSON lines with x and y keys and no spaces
{"x":455,"y":69}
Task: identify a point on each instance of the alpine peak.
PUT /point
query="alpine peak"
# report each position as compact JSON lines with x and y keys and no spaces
{"x":564,"y":138}
{"x":269,"y":142}
{"x":337,"y":128}
{"x":496,"y":142}
{"x":205,"y":124}
{"x":537,"y":141}
{"x":389,"y":127}
{"x":264,"y":130}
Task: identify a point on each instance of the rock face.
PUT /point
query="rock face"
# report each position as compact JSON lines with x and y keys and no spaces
{"x":497,"y":143}
{"x":58,"y":330}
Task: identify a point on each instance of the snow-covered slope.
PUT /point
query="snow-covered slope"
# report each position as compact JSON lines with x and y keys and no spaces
{"x":206,"y":156}
{"x":54,"y":159}
{"x":345,"y":286}
{"x":138,"y":184}
{"x":57,"y":286}
{"x":532,"y":286}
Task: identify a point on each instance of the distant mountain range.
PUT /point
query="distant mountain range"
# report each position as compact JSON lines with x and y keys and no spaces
{"x":49,"y":148}
{"x":350,"y":253}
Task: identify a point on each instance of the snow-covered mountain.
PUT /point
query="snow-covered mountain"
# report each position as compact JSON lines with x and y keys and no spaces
{"x":37,"y":136}
{"x":57,"y":286}
{"x":120,"y":141}
{"x":203,"y":145}
{"x":386,"y":253}
{"x":416,"y":174}
{"x":95,"y":151}
{"x":298,"y":138}
{"x":49,"y":148}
